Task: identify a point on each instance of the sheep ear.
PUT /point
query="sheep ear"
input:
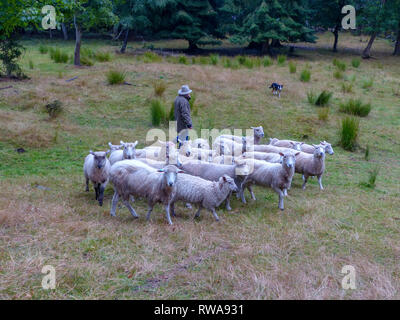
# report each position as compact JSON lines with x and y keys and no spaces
{"x":135,"y":144}
{"x":91,"y":152}
{"x":301,"y":143}
{"x":181,"y":171}
{"x":296,"y":154}
{"x":281,"y":154}
{"x":224,"y":178}
{"x":292,"y":143}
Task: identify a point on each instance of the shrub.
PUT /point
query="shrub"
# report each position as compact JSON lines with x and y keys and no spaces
{"x":338,"y":74}
{"x":347,"y":87}
{"x":54,"y":109}
{"x":182,"y":59}
{"x":355,"y":107}
{"x":311,"y":97}
{"x":159,"y":87}
{"x":115,"y":77}
{"x":355,"y":62}
{"x":368,"y":83}
{"x":339,"y":64}
{"x":171,"y":116}
{"x":103,"y":56}
{"x":241,"y":60}
{"x":267,"y":61}
{"x":86,"y":61}
{"x":348,"y":133}
{"x":292,"y":67}
{"x":43,"y":49}
{"x":305,"y":75}
{"x":323,"y":113}
{"x":157,"y":112}
{"x":214,"y":59}
{"x":281,"y":59}
{"x":58,"y":56}
{"x":323,"y":98}
{"x":372,"y":175}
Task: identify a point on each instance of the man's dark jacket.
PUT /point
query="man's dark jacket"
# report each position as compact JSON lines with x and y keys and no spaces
{"x":182,"y":113}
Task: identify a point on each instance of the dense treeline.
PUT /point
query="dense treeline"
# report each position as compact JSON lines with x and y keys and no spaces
{"x":259,"y":24}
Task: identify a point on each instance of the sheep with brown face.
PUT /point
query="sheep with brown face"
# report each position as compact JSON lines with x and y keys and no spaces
{"x":96,"y":169}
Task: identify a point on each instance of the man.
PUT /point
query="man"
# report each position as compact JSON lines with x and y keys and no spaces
{"x":182,"y":112}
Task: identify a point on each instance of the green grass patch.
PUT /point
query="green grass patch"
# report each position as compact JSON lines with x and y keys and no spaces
{"x":355,"y":62}
{"x":348,"y":133}
{"x":323,"y":98}
{"x":115,"y":77}
{"x":305,"y":75}
{"x":281,"y":59}
{"x":292,"y":67}
{"x":355,"y":107}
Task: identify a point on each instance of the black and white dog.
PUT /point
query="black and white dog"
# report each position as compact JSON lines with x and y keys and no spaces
{"x":276,"y":88}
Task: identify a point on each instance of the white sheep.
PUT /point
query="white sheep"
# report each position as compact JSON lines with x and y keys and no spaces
{"x":207,"y":194}
{"x":96,"y":169}
{"x":128,"y":152}
{"x":311,"y":164}
{"x":277,"y":176}
{"x":203,"y":154}
{"x":230,"y":147}
{"x":114,"y":147}
{"x":201,"y":144}
{"x":270,"y":149}
{"x":258,"y":134}
{"x":310,"y":148}
{"x":133,"y":177}
{"x":269,"y":157}
{"x":166,"y":152}
{"x":285,"y":143}
{"x":212,"y":172}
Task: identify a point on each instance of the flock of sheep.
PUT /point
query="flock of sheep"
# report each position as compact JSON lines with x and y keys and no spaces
{"x":200,"y":175}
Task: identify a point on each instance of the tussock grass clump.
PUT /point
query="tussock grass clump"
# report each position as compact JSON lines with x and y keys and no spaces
{"x":311,"y":97}
{"x":337,"y":74}
{"x":204,"y":60}
{"x":43,"y":49}
{"x":54,"y":109}
{"x":267,"y":61}
{"x":339,"y":64}
{"x":171,"y":115}
{"x":372,"y":175}
{"x":323,"y":113}
{"x":347,"y":87}
{"x":58,"y":56}
{"x":157,"y":112}
{"x":115,"y":77}
{"x":159,"y":87}
{"x":368,"y":83}
{"x":193,"y":105}
{"x":355,"y":107}
{"x":103,"y":56}
{"x":305,"y":75}
{"x":149,"y":57}
{"x":323,"y":98}
{"x":31,"y":66}
{"x":182,"y":60}
{"x":241,"y":60}
{"x":214,"y":59}
{"x":348,"y":133}
{"x":355,"y":62}
{"x":281,"y":59}
{"x":292,"y":67}
{"x":86,"y":61}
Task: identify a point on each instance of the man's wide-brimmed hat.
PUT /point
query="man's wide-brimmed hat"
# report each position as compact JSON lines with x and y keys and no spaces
{"x":184,"y":90}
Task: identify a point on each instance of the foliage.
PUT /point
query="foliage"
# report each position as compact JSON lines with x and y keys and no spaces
{"x":368,"y":83}
{"x":159,"y":87}
{"x":355,"y":107}
{"x":347,"y":87}
{"x":10,"y":52}
{"x":311,"y":97}
{"x":372,"y":175}
{"x":305,"y":75}
{"x":267,"y":61}
{"x":355,"y":62}
{"x":58,"y":56}
{"x":281,"y":59}
{"x":292,"y":67}
{"x":54,"y":108}
{"x":323,"y":113}
{"x":115,"y":77}
{"x":157,"y":112}
{"x":323,"y":98}
{"x":348,"y":133}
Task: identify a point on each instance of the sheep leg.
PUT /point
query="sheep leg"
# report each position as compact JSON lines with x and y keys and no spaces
{"x":131,"y":210}
{"x":214,"y":214}
{"x":114,"y":203}
{"x":198,"y":213}
{"x":87,"y":185}
{"x":305,"y":178}
{"x":228,"y":206}
{"x":280,"y":193}
{"x":320,"y":181}
{"x":173,"y":209}
{"x":251,"y":192}
{"x":242,"y":197}
{"x":150,"y":210}
{"x":167,"y":214}
{"x":101,"y":194}
{"x":285,"y":192}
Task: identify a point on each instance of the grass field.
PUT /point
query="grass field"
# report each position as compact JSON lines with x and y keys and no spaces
{"x":255,"y":251}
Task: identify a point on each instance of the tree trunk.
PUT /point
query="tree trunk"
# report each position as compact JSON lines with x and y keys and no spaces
{"x":64,"y":30}
{"x":396,"y":51}
{"x":275,"y":43}
{"x":78,"y":38}
{"x":123,"y":48}
{"x":266,"y":48}
{"x":336,"y":34}
{"x":192,"y":46}
{"x":367,"y":51}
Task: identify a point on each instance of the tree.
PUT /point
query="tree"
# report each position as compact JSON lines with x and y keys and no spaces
{"x":193,"y":20}
{"x":262,"y":23}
